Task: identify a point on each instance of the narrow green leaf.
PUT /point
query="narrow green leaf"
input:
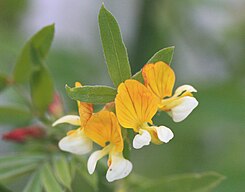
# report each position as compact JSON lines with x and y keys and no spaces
{"x":164,"y":55}
{"x":41,"y":41}
{"x":19,"y":160}
{"x":34,"y":184}
{"x":62,"y":171}
{"x":42,"y":89}
{"x":11,"y":115}
{"x":48,"y":180}
{"x":204,"y":182}
{"x":91,"y":180}
{"x":73,"y":162}
{"x":3,"y":81}
{"x":92,"y":94}
{"x":114,"y":49}
{"x":16,"y":171}
{"x":79,"y":183}
{"x":12,"y":166}
{"x":138,"y":76}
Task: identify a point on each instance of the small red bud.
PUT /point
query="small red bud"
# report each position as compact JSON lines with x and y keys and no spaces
{"x":56,"y":107}
{"x":23,"y":133}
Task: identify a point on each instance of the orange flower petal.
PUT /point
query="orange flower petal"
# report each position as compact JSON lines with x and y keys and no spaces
{"x":135,"y":104}
{"x":85,"y":109}
{"x":159,"y":78}
{"x":102,"y":128}
{"x":85,"y":112}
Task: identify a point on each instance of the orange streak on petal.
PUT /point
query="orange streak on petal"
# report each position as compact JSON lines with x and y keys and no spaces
{"x":85,"y":112}
{"x":103,"y":127}
{"x":159,"y":78}
{"x":85,"y":109}
{"x":135,"y":104}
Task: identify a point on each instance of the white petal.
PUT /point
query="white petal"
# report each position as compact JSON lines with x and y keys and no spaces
{"x":93,"y":159}
{"x":164,"y":134}
{"x":141,"y":139}
{"x":76,"y":143}
{"x":71,"y":119}
{"x":181,"y":111}
{"x":119,"y":168}
{"x":187,"y":88}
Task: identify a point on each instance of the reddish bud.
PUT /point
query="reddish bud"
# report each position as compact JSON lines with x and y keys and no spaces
{"x":56,"y":107}
{"x":22,"y":134}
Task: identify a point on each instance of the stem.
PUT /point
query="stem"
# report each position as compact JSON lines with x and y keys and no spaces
{"x":121,"y":186}
{"x":127,"y":144}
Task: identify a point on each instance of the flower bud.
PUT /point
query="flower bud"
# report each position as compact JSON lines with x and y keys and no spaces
{"x":22,"y":134}
{"x":56,"y":107}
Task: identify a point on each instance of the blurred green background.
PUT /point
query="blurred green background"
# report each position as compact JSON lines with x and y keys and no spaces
{"x":209,"y":40}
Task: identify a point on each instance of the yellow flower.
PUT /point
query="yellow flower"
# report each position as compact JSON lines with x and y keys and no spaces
{"x":76,"y":141}
{"x":103,"y":129}
{"x":159,"y":79}
{"x":135,"y":108}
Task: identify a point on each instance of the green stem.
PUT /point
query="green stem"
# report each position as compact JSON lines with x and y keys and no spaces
{"x":121,"y":186}
{"x":127,"y":136}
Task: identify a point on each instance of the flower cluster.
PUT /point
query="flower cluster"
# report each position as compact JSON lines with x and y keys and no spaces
{"x":135,"y":105}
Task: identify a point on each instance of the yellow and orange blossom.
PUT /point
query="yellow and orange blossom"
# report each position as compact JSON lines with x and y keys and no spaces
{"x":159,"y":78}
{"x":76,"y":141}
{"x":135,"y":107}
{"x":103,"y":129}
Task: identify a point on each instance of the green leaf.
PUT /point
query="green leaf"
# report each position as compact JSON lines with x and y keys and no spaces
{"x":114,"y":49}
{"x":11,"y":115}
{"x":16,"y":171}
{"x":3,"y":189}
{"x":164,"y":55}
{"x":49,"y":182}
{"x":81,"y":184}
{"x":3,"y":81}
{"x":41,"y":42}
{"x":42,"y":89}
{"x":138,"y":76}
{"x":92,"y":94}
{"x":204,"y":182}
{"x":79,"y":164}
{"x":11,"y":161}
{"x":13,"y":166}
{"x":81,"y":168}
{"x":62,"y":171}
{"x":34,"y":184}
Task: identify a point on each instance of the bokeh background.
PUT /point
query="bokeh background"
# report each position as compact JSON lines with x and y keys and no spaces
{"x":209,"y":40}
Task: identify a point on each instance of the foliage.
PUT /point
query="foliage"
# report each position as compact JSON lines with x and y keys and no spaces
{"x":201,"y":182}
{"x":50,"y":169}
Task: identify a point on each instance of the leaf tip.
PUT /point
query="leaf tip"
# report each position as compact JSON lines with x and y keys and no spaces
{"x":50,"y":27}
{"x":102,"y":7}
